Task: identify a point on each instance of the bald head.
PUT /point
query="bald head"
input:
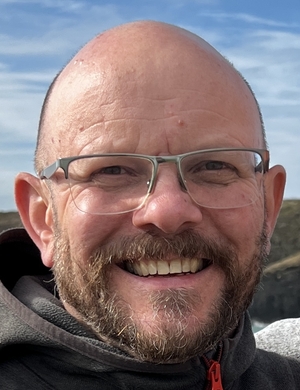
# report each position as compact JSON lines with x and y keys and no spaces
{"x":147,"y":60}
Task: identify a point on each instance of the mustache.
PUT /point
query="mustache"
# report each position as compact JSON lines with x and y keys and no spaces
{"x":150,"y":246}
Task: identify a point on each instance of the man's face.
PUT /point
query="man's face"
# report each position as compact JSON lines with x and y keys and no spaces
{"x":170,"y":317}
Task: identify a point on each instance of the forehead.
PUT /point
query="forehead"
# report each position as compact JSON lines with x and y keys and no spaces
{"x":171,"y":97}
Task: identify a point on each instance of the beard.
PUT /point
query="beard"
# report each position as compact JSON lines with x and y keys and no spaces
{"x":175,"y":333}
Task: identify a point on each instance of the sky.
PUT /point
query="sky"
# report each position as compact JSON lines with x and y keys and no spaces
{"x":38,"y":37}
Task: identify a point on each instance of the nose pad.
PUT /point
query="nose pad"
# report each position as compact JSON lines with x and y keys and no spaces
{"x":168,"y":206}
{"x":179,"y":178}
{"x":182,"y":183}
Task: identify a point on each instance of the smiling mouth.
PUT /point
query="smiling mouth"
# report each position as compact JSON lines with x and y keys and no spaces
{"x":163,"y":268}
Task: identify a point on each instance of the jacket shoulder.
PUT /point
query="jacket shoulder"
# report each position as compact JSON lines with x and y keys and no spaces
{"x":271,"y":371}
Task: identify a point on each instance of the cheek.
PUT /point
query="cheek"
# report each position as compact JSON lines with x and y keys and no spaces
{"x":238,"y":227}
{"x":86,"y":232}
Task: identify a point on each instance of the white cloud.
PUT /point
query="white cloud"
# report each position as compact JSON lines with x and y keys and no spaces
{"x":186,"y":3}
{"x":64,"y":5}
{"x":57,"y":35}
{"x":13,"y":161}
{"x":274,"y":40}
{"x":248,"y":18}
{"x":45,"y":45}
{"x":21,"y":97}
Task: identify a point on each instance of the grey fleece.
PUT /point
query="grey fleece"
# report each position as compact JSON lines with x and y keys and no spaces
{"x":282,"y":337}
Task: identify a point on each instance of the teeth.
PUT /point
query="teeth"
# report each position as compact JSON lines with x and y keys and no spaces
{"x":194,"y":265}
{"x":137,"y":268}
{"x":152,"y":267}
{"x":144,"y":269}
{"x":161,"y":267}
{"x":186,"y":265}
{"x":175,"y":267}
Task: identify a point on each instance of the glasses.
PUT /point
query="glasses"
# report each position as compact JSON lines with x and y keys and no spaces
{"x":118,"y":183}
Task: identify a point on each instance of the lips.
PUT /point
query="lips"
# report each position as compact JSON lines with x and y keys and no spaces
{"x":162,"y":267}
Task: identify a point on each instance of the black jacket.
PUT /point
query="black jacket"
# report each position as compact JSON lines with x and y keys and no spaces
{"x":43,"y":347}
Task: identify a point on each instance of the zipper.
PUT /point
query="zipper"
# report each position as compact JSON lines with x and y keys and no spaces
{"x":213,"y":375}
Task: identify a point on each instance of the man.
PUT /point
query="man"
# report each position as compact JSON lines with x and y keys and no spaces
{"x":153,"y":206}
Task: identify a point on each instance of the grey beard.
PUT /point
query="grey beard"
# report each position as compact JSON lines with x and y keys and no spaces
{"x":87,"y":289}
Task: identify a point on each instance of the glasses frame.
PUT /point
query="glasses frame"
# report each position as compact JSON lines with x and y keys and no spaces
{"x":64,"y":163}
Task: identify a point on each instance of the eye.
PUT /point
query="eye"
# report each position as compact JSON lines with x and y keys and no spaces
{"x":214,"y":165}
{"x":113,"y":170}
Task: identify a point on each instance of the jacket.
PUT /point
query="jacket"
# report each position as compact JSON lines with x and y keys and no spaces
{"x":42,"y":347}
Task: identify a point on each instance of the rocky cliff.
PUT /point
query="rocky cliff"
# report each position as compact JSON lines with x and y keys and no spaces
{"x":278,"y":295}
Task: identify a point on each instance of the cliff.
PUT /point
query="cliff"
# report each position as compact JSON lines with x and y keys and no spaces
{"x":279,"y":293}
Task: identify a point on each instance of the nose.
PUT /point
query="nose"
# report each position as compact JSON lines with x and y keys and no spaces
{"x":169,"y":208}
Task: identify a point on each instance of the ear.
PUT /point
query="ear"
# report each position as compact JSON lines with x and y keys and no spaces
{"x":275,"y":180}
{"x":34,"y":205}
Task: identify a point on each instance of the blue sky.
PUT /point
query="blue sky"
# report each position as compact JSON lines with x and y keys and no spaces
{"x":38,"y":37}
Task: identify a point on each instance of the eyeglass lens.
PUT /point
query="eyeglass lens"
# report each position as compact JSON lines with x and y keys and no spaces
{"x":116,"y":184}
